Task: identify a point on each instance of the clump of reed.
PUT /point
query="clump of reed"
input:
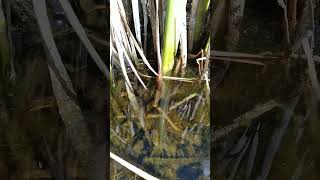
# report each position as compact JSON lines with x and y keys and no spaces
{"x":159,"y":72}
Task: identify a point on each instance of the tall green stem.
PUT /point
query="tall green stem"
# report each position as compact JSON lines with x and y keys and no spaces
{"x":168,"y":52}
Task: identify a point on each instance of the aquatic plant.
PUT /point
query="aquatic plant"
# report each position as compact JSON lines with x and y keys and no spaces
{"x":152,"y":78}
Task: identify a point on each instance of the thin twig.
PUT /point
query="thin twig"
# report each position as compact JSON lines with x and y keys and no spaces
{"x":183,"y":101}
{"x":244,"y":119}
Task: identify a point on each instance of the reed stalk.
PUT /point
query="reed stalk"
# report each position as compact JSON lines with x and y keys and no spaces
{"x":169,"y":40}
{"x":202,"y":11}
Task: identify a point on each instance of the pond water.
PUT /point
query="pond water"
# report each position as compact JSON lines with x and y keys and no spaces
{"x":278,"y":143}
{"x":181,"y":151}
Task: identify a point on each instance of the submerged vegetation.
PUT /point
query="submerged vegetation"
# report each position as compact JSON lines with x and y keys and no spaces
{"x":265,"y":89}
{"x":160,"y":108}
{"x":52,"y":94}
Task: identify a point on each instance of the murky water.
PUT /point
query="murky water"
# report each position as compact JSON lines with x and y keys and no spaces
{"x":282,"y":142}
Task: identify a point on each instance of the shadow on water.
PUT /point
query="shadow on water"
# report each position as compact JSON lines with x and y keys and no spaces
{"x":36,"y":141}
{"x":276,"y":137}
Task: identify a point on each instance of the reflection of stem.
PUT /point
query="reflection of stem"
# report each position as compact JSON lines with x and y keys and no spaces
{"x":292,"y":15}
{"x":245,"y":119}
{"x":164,"y":105}
{"x":171,"y":123}
{"x":122,"y":140}
{"x":285,"y":24}
{"x":235,"y":14}
{"x":183,"y":101}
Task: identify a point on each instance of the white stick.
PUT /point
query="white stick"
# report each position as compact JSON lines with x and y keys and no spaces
{"x":132,"y":167}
